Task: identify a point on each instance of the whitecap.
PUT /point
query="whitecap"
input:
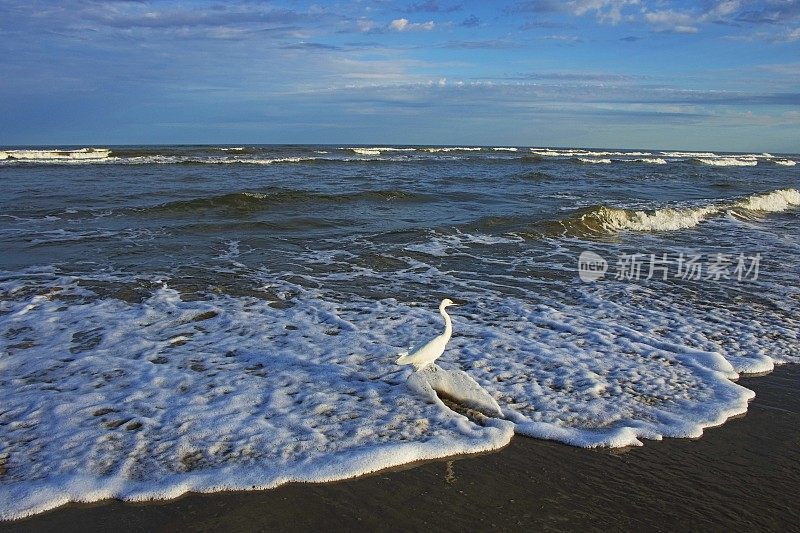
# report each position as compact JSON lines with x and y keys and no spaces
{"x":82,"y":154}
{"x":594,"y":161}
{"x":728,"y":161}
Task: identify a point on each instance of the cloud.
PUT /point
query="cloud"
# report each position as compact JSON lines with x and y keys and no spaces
{"x":470,"y":22}
{"x":671,"y":21}
{"x":563,"y":38}
{"x":547,"y":24}
{"x":536,"y":6}
{"x":64,"y":57}
{"x":488,"y":44}
{"x":774,"y":12}
{"x":249,"y":19}
{"x":607,"y":89}
{"x":783,"y":69}
{"x":363,"y":44}
{"x":364,"y":25}
{"x":582,"y":77}
{"x":431,"y":6}
{"x":404,"y":25}
{"x":669,"y":16}
{"x":779,"y":36}
{"x":92,"y":20}
{"x":722,"y":10}
{"x":187,"y":17}
{"x":604,"y":10}
{"x":310,"y":46}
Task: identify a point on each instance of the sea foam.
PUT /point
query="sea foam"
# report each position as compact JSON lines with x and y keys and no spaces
{"x":153,"y":399}
{"x":167,"y":396}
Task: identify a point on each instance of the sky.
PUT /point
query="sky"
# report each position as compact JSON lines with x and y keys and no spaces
{"x":705,"y":75}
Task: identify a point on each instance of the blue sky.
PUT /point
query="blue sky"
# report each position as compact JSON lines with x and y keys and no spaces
{"x":598,"y":73}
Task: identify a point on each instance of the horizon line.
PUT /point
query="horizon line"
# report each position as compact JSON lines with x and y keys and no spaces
{"x":384,"y":145}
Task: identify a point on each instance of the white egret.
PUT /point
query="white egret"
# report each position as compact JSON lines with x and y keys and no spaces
{"x":430,"y":351}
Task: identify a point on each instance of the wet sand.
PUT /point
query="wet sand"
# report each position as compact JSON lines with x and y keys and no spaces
{"x":743,"y":476}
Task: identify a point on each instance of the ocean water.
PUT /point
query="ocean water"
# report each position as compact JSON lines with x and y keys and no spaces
{"x":208,"y":318}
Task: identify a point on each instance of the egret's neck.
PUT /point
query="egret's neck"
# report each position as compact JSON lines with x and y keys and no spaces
{"x":448,"y":325}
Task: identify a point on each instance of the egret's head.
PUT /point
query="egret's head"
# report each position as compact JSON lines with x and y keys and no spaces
{"x":447,"y":302}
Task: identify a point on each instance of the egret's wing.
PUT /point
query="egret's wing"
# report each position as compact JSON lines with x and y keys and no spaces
{"x":420,"y":347}
{"x":408,"y":357}
{"x":431,"y":349}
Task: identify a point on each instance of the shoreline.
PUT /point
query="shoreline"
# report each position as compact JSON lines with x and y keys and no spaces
{"x":741,"y":474}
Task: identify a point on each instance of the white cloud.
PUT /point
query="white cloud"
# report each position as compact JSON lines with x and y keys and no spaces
{"x":365,"y":25}
{"x":405,"y":25}
{"x":781,"y":36}
{"x":783,"y":69}
{"x":721,"y":12}
{"x":671,"y":21}
{"x":726,"y":8}
{"x":563,"y":38}
{"x":607,"y":10}
{"x":399,"y":24}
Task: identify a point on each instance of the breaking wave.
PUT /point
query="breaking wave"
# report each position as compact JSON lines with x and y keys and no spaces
{"x":609,"y":220}
{"x":378,"y":150}
{"x":689,"y":154}
{"x":650,"y":160}
{"x":452,"y":149}
{"x":579,"y":152}
{"x":728,"y":161}
{"x":81,"y":154}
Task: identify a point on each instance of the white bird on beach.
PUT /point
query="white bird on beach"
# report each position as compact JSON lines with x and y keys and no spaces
{"x":434,"y":348}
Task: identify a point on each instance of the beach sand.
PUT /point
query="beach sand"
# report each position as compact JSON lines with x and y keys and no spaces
{"x":742,"y":475}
